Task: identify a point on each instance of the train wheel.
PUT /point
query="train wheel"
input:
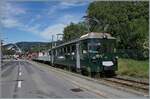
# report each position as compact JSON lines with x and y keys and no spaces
{"x":97,"y":75}
{"x":109,"y":73}
{"x":89,"y":73}
{"x":101,"y":74}
{"x":113,"y":73}
{"x":84,"y":72}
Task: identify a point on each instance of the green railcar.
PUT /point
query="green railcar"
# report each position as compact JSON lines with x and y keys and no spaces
{"x":93,"y":53}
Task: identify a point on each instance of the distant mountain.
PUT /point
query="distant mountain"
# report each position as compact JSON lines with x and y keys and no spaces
{"x":28,"y":46}
{"x":9,"y":49}
{"x":31,"y":46}
{"x":9,"y":46}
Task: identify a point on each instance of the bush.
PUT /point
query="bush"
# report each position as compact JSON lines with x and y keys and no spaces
{"x":133,"y":54}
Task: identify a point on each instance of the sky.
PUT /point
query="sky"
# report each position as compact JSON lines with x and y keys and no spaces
{"x":38,"y":20}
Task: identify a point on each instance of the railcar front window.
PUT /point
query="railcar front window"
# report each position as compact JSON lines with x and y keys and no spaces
{"x":103,"y":47}
{"x":108,"y":47}
{"x":94,"y":48}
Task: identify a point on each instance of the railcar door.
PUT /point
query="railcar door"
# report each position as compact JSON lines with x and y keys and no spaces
{"x":94,"y":46}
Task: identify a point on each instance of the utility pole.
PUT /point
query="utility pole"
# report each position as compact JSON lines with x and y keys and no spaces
{"x":52,"y":56}
{"x":1,"y":43}
{"x":52,"y":40}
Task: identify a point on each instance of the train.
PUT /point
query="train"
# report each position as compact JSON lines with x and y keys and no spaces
{"x":91,"y":54}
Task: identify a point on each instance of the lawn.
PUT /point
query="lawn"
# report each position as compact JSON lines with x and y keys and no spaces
{"x":134,"y":68}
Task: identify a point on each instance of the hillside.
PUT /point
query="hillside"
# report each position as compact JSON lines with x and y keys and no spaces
{"x":29,"y":46}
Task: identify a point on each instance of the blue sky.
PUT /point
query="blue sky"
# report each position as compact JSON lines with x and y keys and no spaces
{"x":28,"y":20}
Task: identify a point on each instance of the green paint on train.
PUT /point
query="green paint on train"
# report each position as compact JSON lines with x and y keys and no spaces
{"x":96,"y":54}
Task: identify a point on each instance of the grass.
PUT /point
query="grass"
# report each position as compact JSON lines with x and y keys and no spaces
{"x":134,"y":68}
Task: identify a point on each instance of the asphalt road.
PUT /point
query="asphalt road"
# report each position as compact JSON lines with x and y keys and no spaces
{"x":26,"y":79}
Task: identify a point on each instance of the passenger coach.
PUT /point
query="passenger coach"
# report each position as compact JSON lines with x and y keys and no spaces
{"x":91,"y":54}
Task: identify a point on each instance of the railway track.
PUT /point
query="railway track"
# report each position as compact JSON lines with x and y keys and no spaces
{"x":139,"y":85}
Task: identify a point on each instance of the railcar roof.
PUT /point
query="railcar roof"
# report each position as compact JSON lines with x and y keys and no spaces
{"x":87,"y":36}
{"x":96,"y":35}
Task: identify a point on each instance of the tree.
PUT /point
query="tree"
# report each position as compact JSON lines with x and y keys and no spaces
{"x":127,"y":21}
{"x":74,"y":31}
{"x":5,"y":51}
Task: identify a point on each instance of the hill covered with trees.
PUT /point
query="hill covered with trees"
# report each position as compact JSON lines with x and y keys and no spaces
{"x":25,"y":47}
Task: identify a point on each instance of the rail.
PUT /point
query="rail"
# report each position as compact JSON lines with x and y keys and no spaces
{"x":140,"y":85}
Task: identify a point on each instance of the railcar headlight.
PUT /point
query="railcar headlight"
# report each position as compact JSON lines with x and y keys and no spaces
{"x":93,"y":57}
{"x":116,"y":57}
{"x":72,"y":53}
{"x":98,"y":56}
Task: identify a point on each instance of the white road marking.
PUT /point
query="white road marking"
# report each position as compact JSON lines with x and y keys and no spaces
{"x":20,"y":73}
{"x":20,"y":69}
{"x":19,"y":84}
{"x":19,"y":66}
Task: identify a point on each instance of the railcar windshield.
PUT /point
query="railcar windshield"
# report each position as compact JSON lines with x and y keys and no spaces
{"x":104,"y":46}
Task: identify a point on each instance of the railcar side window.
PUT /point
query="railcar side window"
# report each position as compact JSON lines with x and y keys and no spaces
{"x":73,"y":48}
{"x":49,"y":52}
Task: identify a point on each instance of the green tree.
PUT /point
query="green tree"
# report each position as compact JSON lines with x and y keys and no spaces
{"x":5,"y":51}
{"x":74,"y":31}
{"x":126,"y":20}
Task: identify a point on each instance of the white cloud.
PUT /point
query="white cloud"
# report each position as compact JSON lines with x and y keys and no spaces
{"x":67,"y":19}
{"x":62,"y":21}
{"x":55,"y":28}
{"x":34,"y":19}
{"x":8,"y":9}
{"x":52,"y":30}
{"x":33,"y":29}
{"x":10,"y":23}
{"x":10,"y":20}
{"x":73,"y":3}
{"x":66,"y":4}
{"x":59,"y":26}
{"x":52,"y":10}
{"x":9,"y":13}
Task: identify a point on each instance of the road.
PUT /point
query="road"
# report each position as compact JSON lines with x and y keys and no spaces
{"x":27,"y":79}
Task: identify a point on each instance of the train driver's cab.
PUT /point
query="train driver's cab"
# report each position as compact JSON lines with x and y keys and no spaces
{"x":102,"y":52}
